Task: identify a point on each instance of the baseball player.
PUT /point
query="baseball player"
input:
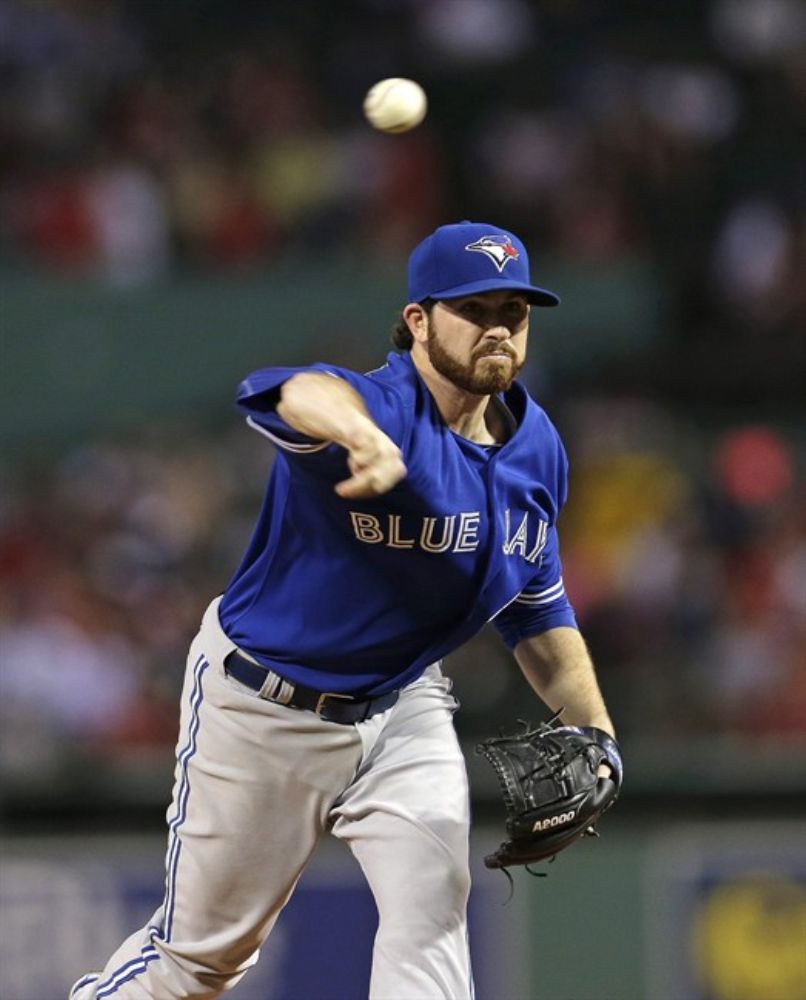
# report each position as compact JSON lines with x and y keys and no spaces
{"x":406,"y":508}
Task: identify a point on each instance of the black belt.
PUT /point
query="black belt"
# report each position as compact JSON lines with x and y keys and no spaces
{"x":328,"y":705}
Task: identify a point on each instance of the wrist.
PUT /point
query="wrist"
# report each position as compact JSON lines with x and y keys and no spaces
{"x":612,"y":750}
{"x":601,"y":721}
{"x":354,"y":430}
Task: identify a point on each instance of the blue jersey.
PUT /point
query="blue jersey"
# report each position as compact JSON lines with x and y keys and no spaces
{"x":359,"y":596}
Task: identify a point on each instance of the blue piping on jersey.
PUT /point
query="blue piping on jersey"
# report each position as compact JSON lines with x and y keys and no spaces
{"x":503,"y":606}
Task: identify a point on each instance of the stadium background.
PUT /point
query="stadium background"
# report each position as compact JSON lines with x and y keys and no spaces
{"x":189,"y":192}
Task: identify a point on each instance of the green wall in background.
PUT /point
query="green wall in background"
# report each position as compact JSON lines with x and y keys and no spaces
{"x":586,"y":918}
{"x":668,"y":909}
{"x":79,"y":357}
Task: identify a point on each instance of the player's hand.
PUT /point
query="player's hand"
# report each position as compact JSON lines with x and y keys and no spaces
{"x":375,"y":463}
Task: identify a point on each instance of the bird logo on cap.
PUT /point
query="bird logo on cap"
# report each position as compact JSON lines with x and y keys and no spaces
{"x":498,"y":248}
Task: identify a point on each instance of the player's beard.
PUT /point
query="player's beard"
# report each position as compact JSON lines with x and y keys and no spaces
{"x":481,"y":380}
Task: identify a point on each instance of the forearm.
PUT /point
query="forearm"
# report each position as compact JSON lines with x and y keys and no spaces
{"x":325,"y":408}
{"x":330,"y":409}
{"x":559,"y":668}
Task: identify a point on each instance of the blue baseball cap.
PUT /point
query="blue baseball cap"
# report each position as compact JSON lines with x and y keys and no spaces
{"x":469,"y":257}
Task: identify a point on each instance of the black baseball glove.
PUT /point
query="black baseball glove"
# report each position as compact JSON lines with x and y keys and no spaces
{"x":552,"y":792}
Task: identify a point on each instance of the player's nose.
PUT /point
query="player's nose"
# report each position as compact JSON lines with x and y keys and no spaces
{"x":497,"y":332}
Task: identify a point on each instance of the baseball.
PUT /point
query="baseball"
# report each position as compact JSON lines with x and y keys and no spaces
{"x":395,"y":105}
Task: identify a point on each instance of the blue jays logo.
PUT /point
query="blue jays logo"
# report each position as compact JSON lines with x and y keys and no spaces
{"x":498,"y":248}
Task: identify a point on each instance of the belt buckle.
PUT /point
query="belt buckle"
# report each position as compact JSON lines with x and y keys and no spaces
{"x":326,"y":695}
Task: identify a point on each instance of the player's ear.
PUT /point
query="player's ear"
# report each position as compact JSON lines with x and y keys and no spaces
{"x":416,"y":319}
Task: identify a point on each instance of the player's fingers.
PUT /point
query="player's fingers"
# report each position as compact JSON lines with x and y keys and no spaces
{"x":364,"y":485}
{"x":357,"y":487}
{"x":372,"y":481}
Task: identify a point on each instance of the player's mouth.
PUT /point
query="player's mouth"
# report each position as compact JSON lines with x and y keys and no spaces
{"x":499,"y":354}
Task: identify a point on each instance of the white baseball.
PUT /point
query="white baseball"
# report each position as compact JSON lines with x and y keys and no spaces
{"x":395,"y":105}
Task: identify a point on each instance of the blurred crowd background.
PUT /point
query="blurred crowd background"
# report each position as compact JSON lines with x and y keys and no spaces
{"x":646,"y":157}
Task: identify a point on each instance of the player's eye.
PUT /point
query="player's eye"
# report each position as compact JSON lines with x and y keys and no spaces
{"x":471,"y":310}
{"x":515,"y":311}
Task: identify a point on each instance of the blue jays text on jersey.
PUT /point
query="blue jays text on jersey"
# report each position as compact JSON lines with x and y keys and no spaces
{"x":359,"y":596}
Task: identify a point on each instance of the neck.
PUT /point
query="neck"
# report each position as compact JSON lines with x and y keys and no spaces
{"x":474,"y":417}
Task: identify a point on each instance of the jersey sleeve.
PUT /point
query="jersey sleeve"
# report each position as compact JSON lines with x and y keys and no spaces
{"x":542,"y":604}
{"x":259,"y":394}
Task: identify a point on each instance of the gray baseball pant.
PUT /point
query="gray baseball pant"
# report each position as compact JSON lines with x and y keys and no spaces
{"x":256,"y":786}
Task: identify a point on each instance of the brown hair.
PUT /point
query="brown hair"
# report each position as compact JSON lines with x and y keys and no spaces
{"x":401,"y":334}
